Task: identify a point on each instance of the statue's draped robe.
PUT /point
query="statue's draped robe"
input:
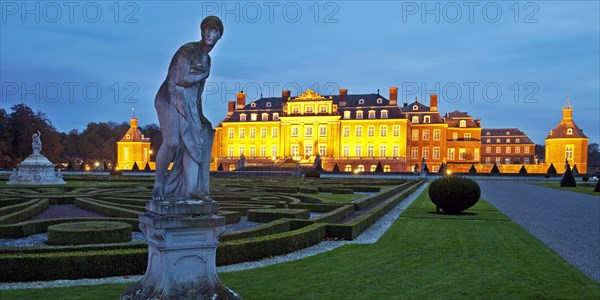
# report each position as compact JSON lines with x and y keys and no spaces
{"x":179,"y":106}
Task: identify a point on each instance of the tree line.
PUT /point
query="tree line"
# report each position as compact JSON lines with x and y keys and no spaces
{"x":96,"y":143}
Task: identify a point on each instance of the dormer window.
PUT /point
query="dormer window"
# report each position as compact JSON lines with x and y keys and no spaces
{"x":243,"y":117}
{"x":508,"y":133}
{"x":253,"y":104}
{"x":128,"y":136}
{"x":253,"y":117}
{"x":570,"y":131}
{"x":508,"y":141}
{"x":426,"y":119}
{"x":265,"y":117}
{"x":275,"y":116}
{"x":497,"y":141}
{"x":487,"y":133}
{"x":384,"y":114}
{"x":371,"y":114}
{"x":415,"y":107}
{"x":462,"y":123}
{"x":517,"y":141}
{"x":359,"y":114}
{"x":268,"y":104}
{"x":489,"y":141}
{"x":415,"y":120}
{"x":361,"y":101}
{"x":379,"y":100}
{"x":347,"y":114}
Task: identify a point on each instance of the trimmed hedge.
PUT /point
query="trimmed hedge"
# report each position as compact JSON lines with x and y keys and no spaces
{"x":4,"y":211}
{"x":308,"y":190}
{"x":231,"y":216}
{"x":318,"y":207}
{"x":23,"y":229}
{"x":342,"y":191}
{"x":335,"y":215}
{"x":107,"y":210}
{"x":277,"y":226}
{"x":90,"y":232}
{"x":270,"y":214}
{"x":33,"y":208}
{"x":369,"y":200}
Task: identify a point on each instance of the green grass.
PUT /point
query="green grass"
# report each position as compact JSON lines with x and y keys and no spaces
{"x":580,"y":188}
{"x":338,"y":198}
{"x":422,"y":256}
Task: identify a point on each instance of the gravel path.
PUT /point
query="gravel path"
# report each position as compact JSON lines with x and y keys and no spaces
{"x":567,"y":222}
{"x":66,"y":211}
{"x":369,"y":236}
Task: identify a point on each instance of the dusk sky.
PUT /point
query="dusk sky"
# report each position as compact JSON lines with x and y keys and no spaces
{"x":512,"y":65}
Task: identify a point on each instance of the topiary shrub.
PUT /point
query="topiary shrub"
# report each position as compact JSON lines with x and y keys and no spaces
{"x":336,"y":168}
{"x":523,"y":170}
{"x":551,"y":169}
{"x":495,"y":169}
{"x":568,"y":180}
{"x":472,"y":170}
{"x":379,"y":168}
{"x":454,"y":194}
{"x":92,"y":232}
{"x":312,"y":174}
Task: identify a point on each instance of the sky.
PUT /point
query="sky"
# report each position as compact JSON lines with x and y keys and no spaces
{"x":510,"y":63}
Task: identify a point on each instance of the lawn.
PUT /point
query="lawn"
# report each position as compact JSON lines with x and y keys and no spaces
{"x":580,"y":188}
{"x":422,"y":256}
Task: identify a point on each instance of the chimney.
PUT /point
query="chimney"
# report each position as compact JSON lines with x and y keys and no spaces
{"x":241,"y":100}
{"x":394,"y":96}
{"x":405,"y":104}
{"x":433,"y":102}
{"x":230,"y":107}
{"x":343,"y":97}
{"x":285,"y":96}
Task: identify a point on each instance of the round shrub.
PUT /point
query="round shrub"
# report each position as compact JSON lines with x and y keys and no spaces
{"x":91,"y":232}
{"x":454,"y":194}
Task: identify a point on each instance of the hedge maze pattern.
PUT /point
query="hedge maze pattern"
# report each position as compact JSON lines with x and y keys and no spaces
{"x":291,"y":214}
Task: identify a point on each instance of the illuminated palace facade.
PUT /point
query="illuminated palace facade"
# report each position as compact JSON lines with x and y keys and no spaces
{"x":357,"y":132}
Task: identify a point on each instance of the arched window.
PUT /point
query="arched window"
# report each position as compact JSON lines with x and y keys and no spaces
{"x":384,"y":114}
{"x":361,"y":101}
{"x":387,"y":168}
{"x":371,"y":114}
{"x":517,"y":141}
{"x":497,"y":141}
{"x":415,"y":120}
{"x":373,"y":168}
{"x":268,"y":104}
{"x":426,"y":119}
{"x":360,"y":168}
{"x":253,"y":117}
{"x":231,"y":167}
{"x":265,"y":117}
{"x":359,"y":114}
{"x":508,"y":133}
{"x":347,"y":114}
{"x":508,"y":141}
{"x":462,"y":123}
{"x":570,"y":131}
{"x":275,"y":116}
{"x":487,"y":133}
{"x":348,"y":168}
{"x":243,"y":117}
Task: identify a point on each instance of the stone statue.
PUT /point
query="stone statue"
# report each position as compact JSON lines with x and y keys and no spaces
{"x":36,"y":143}
{"x":241,"y":164}
{"x":187,"y":134}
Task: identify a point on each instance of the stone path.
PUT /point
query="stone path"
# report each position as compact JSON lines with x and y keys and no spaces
{"x":567,"y":222}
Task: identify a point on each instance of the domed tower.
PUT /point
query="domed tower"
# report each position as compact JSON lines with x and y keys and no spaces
{"x":567,"y":142}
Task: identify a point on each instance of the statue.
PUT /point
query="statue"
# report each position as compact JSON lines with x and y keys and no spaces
{"x":187,"y":134}
{"x":36,"y":143}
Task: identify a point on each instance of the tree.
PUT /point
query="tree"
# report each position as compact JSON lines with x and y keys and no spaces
{"x":135,"y":167}
{"x":472,"y":170}
{"x":426,"y":168}
{"x":523,"y":170}
{"x":597,"y":188}
{"x":152,"y":131}
{"x":551,"y":169}
{"x":495,"y":169}
{"x":379,"y":168}
{"x":147,"y":167}
{"x":443,"y":169}
{"x":568,"y":180}
{"x":336,"y":168}
{"x":593,"y":155}
{"x":220,"y":167}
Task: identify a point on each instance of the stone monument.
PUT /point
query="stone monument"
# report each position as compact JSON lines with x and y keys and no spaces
{"x":36,"y":168}
{"x":181,"y":223}
{"x":423,"y":173}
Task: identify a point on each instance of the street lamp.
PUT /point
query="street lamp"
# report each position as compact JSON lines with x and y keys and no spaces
{"x":97,"y":165}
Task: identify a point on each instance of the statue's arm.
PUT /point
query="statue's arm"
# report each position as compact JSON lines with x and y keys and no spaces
{"x":184,"y":75}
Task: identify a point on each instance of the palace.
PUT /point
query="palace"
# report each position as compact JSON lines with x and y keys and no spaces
{"x":133,"y":148}
{"x":355,"y":133}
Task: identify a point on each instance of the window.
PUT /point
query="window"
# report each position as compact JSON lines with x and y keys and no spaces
{"x":252,"y":133}
{"x":488,"y":141}
{"x":361,"y":101}
{"x":379,"y":100}
{"x":268,"y":104}
{"x":230,"y":151}
{"x":425,"y":152}
{"x":384,"y":114}
{"x":323,"y":130}
{"x":383,"y":130}
{"x":487,"y":133}
{"x":370,"y":151}
{"x":231,"y":167}
{"x":274,"y":132}
{"x":295,"y":109}
{"x":395,"y":151}
{"x":273,"y":151}
{"x":373,"y":168}
{"x":322,"y":150}
{"x":507,"y":149}
{"x":253,"y":117}
{"x":498,"y":150}
{"x":415,"y":107}
{"x":508,"y":133}
{"x":128,"y":136}
{"x":387,"y":169}
{"x":265,"y":117}
{"x":359,"y":114}
{"x":294,"y":150}
{"x":243,"y":117}
{"x":488,"y":149}
{"x":231,"y":133}
{"x":323,"y":109}
{"x":241,"y":150}
{"x":462,"y":123}
{"x":308,"y":150}
{"x":507,"y":160}
{"x":526,"y":160}
{"x":450,"y":153}
{"x":462,"y":153}
{"x":436,"y":134}
{"x":467,"y":136}
{"x":308,"y":131}
{"x":360,"y":168}
{"x":382,"y":151}
{"x":396,"y":130}
{"x":415,"y":120}
{"x":347,"y":114}
{"x":310,"y":109}
{"x":242,"y":133}
{"x":358,"y":151}
{"x":517,"y":149}
{"x":488,"y":160}
{"x":569,"y":151}
{"x":371,"y":130}
{"x":455,"y":136}
{"x":497,"y":141}
{"x":371,"y":114}
{"x":426,"y":134}
{"x":348,"y":168}
{"x":263,"y":133}
{"x":346,"y":131}
{"x":436,"y":152}
{"x":508,"y":141}
{"x":526,"y":149}
{"x":570,"y":131}
{"x":426,"y":119}
{"x":252,"y":151}
{"x":295,"y":131}
{"x":263,"y":151}
{"x":275,"y":116}
{"x":476,"y":156}
{"x":415,"y":135}
{"x":358,"y":131}
{"x":346,"y":151}
{"x":414,"y":152}
{"x":497,"y":159}
{"x":517,"y":141}
{"x":253,"y":104}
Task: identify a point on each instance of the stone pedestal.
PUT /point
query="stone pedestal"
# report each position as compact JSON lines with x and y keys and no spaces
{"x":182,"y":237}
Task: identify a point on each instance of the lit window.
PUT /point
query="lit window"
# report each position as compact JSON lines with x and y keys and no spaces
{"x":241,"y":150}
{"x":387,"y":168}
{"x":231,"y":133}
{"x":415,"y":120}
{"x":415,"y":107}
{"x":426,"y":119}
{"x":358,"y":131}
{"x":263,"y":133}
{"x":371,"y":130}
{"x":128,"y":136}
{"x":252,"y":151}
{"x":346,"y":151}
{"x":462,"y":153}
{"x":383,"y":130}
{"x":415,"y":135}
{"x":382,"y":151}
{"x":346,"y":131}
{"x":371,"y":114}
{"x":295,"y":109}
{"x":488,"y":149}
{"x":569,"y":151}
{"x":436,"y":152}
{"x":242,"y":133}
{"x":308,"y":130}
{"x":358,"y":151}
{"x":508,"y":149}
{"x":517,"y":149}
{"x":487,"y":133}
{"x":322,"y":150}
{"x":253,"y":104}
{"x":361,"y":101}
{"x":348,"y":168}
{"x":252,"y":133}
{"x":263,"y":151}
{"x":243,"y":117}
{"x":322,"y":130}
{"x":508,"y":141}
{"x":373,"y":168}
{"x":231,"y":167}
{"x":230,"y":151}
{"x":508,"y":133}
{"x":268,"y":104}
{"x":253,"y":117}
{"x":274,"y":132}
{"x":384,"y":114}
{"x":395,"y":151}
{"x":275,"y":116}
{"x":359,"y":114}
{"x":379,"y":100}
{"x":467,"y":136}
{"x":488,"y":141}
{"x":370,"y":151}
{"x":498,"y":150}
{"x":323,"y":109}
{"x":570,"y":131}
{"x":414,"y":152}
{"x":360,"y":168}
{"x":294,"y":131}
{"x":497,"y":141}
{"x":526,"y":149}
{"x":274,"y":151}
{"x":396,"y":130}
{"x":425,"y":152}
{"x":462,"y":123}
{"x":426,"y":134}
{"x":517,"y":141}
{"x":265,"y":117}
{"x":347,"y":114}
{"x":309,"y":109}
{"x":436,"y":134}
{"x":308,"y":150}
{"x":455,"y":136}
{"x":450,"y":153}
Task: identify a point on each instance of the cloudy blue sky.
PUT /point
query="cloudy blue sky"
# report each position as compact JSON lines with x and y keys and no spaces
{"x":512,"y":65}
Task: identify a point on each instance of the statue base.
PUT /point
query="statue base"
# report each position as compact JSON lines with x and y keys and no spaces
{"x":182,"y":237}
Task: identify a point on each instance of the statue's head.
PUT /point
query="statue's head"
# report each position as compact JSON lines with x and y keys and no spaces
{"x":211,"y":30}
